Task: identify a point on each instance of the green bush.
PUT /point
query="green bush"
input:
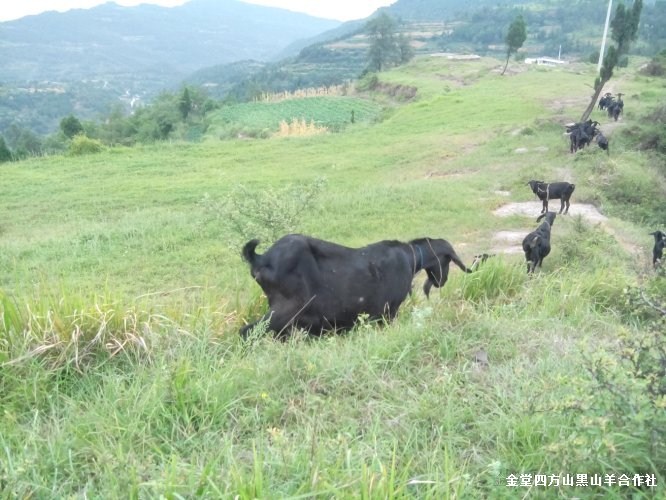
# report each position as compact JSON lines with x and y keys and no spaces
{"x":82,"y":145}
{"x":264,"y":214}
{"x":619,"y":407}
{"x":635,"y":196}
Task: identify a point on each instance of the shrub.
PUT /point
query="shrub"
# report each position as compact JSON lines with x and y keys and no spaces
{"x":618,"y":409}
{"x":82,"y":145}
{"x":265,"y":214}
{"x":651,"y":134}
{"x":493,"y":279}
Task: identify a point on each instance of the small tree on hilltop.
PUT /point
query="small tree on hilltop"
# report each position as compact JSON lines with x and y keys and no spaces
{"x":624,"y":30}
{"x":384,"y":49}
{"x":71,"y":126}
{"x":515,"y":38}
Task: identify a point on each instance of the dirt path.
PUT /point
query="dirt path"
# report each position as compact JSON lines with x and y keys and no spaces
{"x":510,"y":242}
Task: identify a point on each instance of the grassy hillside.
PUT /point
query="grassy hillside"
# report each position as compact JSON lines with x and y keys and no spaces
{"x":122,"y":373}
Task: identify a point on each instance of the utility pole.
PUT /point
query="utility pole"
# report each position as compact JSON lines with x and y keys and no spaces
{"x":603,"y":40}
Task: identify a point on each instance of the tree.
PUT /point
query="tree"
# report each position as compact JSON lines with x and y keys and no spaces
{"x":71,"y":126}
{"x":405,"y":50}
{"x":624,"y":30}
{"x":5,"y":153}
{"x":515,"y":38}
{"x":185,"y":103}
{"x":384,"y":49}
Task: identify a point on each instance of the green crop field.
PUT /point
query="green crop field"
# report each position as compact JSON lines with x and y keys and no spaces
{"x":122,"y":291}
{"x":332,"y":112}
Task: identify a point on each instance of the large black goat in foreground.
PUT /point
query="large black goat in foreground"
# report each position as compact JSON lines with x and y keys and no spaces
{"x":536,"y":244}
{"x":552,"y":191}
{"x":318,"y":285}
{"x":658,"y":249}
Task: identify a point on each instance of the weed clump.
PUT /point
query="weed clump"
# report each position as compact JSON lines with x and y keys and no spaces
{"x":83,"y":145}
{"x":618,"y":407}
{"x":263,"y":214}
{"x":299,"y":128}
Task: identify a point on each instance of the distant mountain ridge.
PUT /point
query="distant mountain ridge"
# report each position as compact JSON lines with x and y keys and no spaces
{"x":111,"y":41}
{"x":89,"y":62}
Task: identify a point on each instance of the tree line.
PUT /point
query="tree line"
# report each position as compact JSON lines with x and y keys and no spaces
{"x":183,"y":115}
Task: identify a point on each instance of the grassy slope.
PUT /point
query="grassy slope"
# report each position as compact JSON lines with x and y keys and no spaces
{"x":183,"y":407}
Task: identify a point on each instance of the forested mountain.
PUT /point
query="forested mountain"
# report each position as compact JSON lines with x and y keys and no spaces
{"x":570,"y":28}
{"x":85,"y":61}
{"x":111,"y":41}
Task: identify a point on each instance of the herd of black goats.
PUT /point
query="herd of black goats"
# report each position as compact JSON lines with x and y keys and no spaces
{"x":583,"y":133}
{"x":318,"y":286}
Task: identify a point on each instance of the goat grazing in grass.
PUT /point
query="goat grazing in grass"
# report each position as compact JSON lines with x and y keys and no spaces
{"x":658,"y":249}
{"x":536,"y":244}
{"x":552,"y":191}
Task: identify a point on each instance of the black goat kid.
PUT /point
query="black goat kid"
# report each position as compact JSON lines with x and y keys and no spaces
{"x":552,"y":191}
{"x":658,"y":249}
{"x":536,"y":244}
{"x":602,"y":141}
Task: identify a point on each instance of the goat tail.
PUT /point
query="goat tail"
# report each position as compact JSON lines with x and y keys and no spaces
{"x":571,"y":188}
{"x":459,"y":263}
{"x":249,"y":254}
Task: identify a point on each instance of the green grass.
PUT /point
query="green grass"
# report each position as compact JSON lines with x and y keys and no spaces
{"x":122,"y":374}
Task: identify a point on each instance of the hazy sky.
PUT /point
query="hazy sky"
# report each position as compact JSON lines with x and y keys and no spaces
{"x":343,"y":10}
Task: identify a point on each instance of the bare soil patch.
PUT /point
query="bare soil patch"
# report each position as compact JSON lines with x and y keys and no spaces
{"x":533,"y":209}
{"x":510,"y":242}
{"x":438,"y":174}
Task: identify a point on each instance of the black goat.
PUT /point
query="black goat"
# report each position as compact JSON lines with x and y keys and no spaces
{"x":658,"y":249}
{"x":616,"y":108}
{"x":317,"y":285}
{"x":581,"y":134}
{"x":536,"y":244}
{"x":603,"y":142}
{"x":553,"y":191}
{"x":605,"y":101}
